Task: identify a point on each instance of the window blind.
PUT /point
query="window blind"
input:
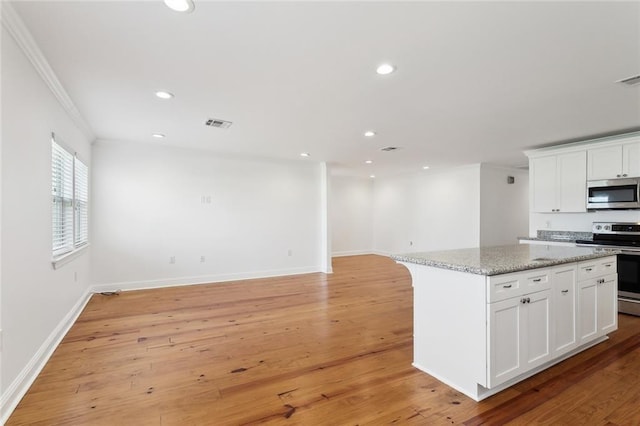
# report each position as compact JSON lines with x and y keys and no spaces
{"x":81,"y":180}
{"x":70,"y":200}
{"x":62,"y":194}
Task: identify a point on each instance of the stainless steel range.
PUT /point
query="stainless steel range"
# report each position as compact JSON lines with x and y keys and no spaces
{"x":624,"y":236}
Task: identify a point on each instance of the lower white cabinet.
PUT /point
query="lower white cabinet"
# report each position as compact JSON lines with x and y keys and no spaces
{"x":598,"y":306}
{"x":565,"y":330}
{"x":529,"y":326}
{"x":519,"y":335}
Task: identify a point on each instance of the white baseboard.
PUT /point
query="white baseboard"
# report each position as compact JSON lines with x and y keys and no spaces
{"x":19,"y":387}
{"x":351,"y":253}
{"x":201,"y":279}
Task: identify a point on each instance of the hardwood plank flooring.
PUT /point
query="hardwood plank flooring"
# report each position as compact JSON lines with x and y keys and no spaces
{"x":312,"y":349}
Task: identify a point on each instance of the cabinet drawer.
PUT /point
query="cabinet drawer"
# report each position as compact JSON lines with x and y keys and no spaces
{"x":596,"y":267}
{"x":501,"y":287}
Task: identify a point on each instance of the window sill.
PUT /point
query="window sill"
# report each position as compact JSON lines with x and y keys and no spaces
{"x":68,"y":257}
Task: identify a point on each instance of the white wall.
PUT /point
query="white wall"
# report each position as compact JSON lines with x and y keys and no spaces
{"x":504,"y":207}
{"x":431,"y":210}
{"x":351,"y":215}
{"x":35,"y":298}
{"x":263,"y":217}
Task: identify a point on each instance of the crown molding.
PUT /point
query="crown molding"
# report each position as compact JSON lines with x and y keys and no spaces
{"x":13,"y":24}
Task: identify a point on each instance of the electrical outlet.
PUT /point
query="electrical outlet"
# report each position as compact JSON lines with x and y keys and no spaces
{"x":202,"y":259}
{"x":172,"y":259}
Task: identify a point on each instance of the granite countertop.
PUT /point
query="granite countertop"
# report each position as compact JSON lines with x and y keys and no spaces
{"x":503,"y":259}
{"x":559,"y":236}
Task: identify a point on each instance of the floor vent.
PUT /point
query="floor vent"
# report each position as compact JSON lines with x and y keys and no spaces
{"x":630,"y":81}
{"x":216,"y":122}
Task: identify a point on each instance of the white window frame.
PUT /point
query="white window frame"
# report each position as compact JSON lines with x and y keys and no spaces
{"x":74,"y":203}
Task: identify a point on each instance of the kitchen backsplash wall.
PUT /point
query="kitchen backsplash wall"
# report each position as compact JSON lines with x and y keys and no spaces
{"x":578,"y":221}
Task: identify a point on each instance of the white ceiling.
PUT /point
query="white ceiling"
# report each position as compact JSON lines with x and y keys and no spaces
{"x":475,"y":81}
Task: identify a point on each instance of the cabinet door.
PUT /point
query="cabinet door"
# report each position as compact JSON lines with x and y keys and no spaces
{"x":605,"y":163}
{"x":565,"y":335}
{"x":505,"y":337}
{"x":572,"y":182}
{"x":587,"y":318}
{"x":607,"y":304}
{"x":543,"y":178}
{"x":536,"y":343}
{"x":631,"y":160}
{"x":519,"y":335}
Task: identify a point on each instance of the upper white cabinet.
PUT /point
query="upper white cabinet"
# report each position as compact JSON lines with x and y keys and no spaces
{"x":615,"y":161}
{"x":558,"y":182}
{"x":631,"y":159}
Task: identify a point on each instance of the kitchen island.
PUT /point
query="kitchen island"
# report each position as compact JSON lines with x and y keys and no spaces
{"x":487,"y":318}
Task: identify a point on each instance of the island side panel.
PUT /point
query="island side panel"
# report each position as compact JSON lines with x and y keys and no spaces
{"x":449,"y":326}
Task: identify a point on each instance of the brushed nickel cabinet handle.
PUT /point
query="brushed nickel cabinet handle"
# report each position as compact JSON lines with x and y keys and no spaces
{"x":537,"y":280}
{"x":565,"y":291}
{"x":507,"y":286}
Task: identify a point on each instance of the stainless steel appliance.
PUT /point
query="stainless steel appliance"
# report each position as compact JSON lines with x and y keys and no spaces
{"x":623,"y":236}
{"x":613,"y":194}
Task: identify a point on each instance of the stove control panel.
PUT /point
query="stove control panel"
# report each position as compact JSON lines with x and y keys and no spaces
{"x":622,"y":228}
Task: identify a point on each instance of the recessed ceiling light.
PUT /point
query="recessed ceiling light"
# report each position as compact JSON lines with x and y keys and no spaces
{"x":368,"y":161}
{"x":372,"y":176}
{"x":369,"y":133}
{"x":158,"y":135}
{"x":180,"y":5}
{"x":164,"y":95}
{"x":425,"y":167}
{"x":385,"y":69}
{"x":305,"y":154}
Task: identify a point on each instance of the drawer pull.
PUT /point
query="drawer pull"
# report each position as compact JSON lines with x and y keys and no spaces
{"x":588,"y":269}
{"x":608,"y":265}
{"x":537,"y":280}
{"x":507,"y":286}
{"x":565,"y":291}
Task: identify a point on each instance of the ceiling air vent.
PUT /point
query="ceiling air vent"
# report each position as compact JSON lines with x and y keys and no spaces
{"x":216,"y":122}
{"x":389,"y":148}
{"x":630,"y":81}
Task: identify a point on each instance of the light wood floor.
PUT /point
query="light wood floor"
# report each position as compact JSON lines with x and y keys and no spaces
{"x":306,"y":350}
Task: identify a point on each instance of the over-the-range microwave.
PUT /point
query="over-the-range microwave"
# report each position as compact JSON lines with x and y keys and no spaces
{"x":613,"y":194}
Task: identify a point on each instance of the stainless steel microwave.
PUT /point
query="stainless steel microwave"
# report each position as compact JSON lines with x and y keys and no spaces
{"x":613,"y":194}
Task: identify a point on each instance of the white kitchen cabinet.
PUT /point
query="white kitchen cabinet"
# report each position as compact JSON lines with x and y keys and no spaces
{"x":597,"y":298}
{"x":587,"y":307}
{"x":565,"y":336}
{"x":558,"y":183}
{"x":631,"y":159}
{"x":519,"y":335}
{"x":616,"y":161}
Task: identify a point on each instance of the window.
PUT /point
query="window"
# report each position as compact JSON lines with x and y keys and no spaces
{"x":70,"y":201}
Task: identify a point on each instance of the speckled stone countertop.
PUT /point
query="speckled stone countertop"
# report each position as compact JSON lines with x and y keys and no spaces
{"x":503,"y":259}
{"x":559,"y":236}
